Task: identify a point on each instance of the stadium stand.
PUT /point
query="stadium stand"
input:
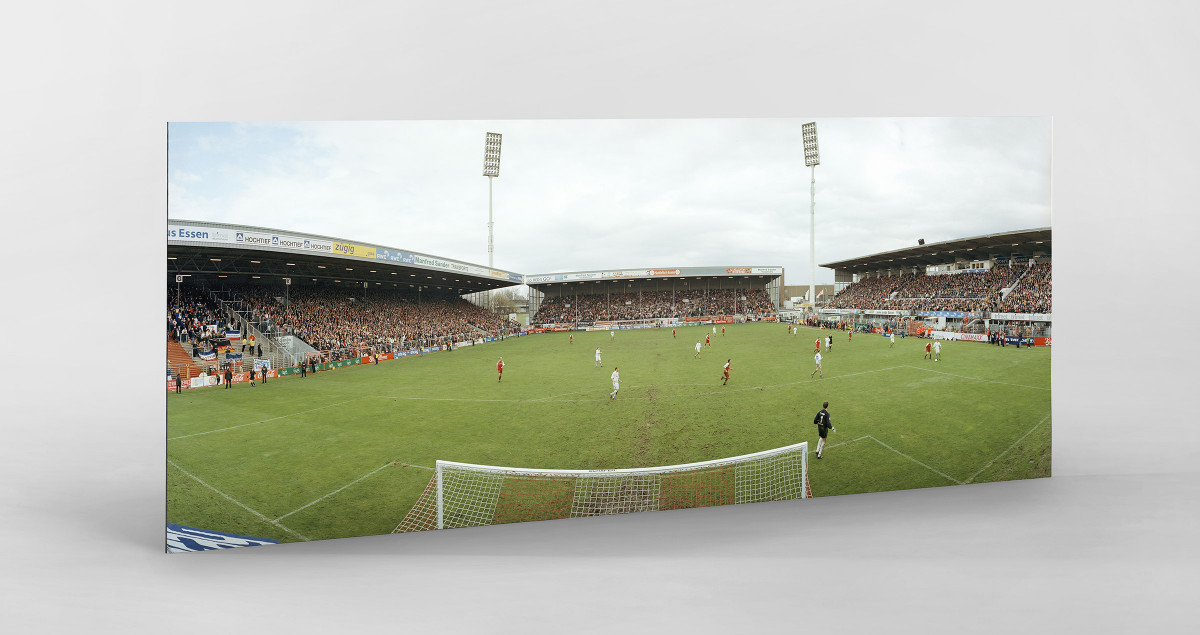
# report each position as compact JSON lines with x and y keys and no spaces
{"x":192,"y":318}
{"x":1032,"y":293}
{"x":966,"y":291}
{"x":652,"y":304}
{"x":358,"y":321}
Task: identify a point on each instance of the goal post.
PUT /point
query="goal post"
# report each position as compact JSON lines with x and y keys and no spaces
{"x":469,"y":495}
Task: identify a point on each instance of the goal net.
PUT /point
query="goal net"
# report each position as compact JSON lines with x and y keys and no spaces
{"x":466,"y":495}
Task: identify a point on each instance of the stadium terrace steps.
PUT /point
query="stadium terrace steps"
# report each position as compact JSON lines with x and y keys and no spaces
{"x":179,"y":357}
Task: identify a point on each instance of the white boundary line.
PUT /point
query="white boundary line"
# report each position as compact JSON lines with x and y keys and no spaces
{"x":388,"y":464}
{"x":242,"y":425}
{"x":989,"y":463}
{"x":554,"y":398}
{"x":238,"y":503}
{"x":990,"y":381}
{"x":935,"y":470}
{"x":835,"y":445}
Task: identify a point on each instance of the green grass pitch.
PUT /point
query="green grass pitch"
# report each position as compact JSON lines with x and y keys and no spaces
{"x":347,"y":452}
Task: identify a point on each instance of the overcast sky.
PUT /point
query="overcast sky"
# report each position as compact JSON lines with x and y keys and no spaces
{"x":578,"y":195}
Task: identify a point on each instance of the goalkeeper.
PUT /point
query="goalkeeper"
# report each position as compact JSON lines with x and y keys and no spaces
{"x":823,"y":426}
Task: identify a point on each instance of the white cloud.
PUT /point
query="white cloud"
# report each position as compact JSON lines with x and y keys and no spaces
{"x":576,"y":195}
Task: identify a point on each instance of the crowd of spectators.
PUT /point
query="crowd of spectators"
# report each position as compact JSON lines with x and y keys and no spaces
{"x":1032,"y":294}
{"x":646,"y":305}
{"x":972,"y":291}
{"x":355,"y":322}
{"x":192,"y":317}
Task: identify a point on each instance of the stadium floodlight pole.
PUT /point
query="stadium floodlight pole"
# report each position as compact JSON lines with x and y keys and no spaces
{"x":491,"y":169}
{"x":812,"y":159}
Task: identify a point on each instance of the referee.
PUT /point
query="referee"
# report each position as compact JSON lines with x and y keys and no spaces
{"x":823,"y":426}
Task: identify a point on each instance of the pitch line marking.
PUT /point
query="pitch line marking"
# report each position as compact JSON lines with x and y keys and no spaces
{"x":989,"y":463}
{"x":334,"y":491}
{"x":555,"y":398}
{"x":935,"y":470}
{"x":990,"y":381}
{"x":835,"y":445}
{"x":242,"y":425}
{"x":238,"y":503}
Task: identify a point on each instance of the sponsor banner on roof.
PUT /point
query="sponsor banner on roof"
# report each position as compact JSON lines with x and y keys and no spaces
{"x":435,"y":263}
{"x":664,"y":272}
{"x":355,"y":250}
{"x":737,"y":270}
{"x":629,"y":273}
{"x":190,"y":233}
{"x":177,"y":232}
{"x":389,"y":255}
{"x":767,"y":270}
{"x":199,"y":234}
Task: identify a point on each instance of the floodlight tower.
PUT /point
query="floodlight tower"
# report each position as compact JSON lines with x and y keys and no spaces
{"x":812,"y":158}
{"x":491,"y":169}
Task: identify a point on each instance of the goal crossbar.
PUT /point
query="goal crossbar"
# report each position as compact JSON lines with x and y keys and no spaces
{"x":467,"y":494}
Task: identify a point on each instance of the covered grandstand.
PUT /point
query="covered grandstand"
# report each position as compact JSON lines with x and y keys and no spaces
{"x":306,"y":297}
{"x":983,"y":284}
{"x":650,"y":296}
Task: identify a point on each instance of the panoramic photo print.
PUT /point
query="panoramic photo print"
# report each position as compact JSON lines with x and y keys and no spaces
{"x":398,"y":326}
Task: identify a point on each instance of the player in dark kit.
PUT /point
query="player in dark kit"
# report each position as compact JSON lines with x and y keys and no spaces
{"x":824,"y":425}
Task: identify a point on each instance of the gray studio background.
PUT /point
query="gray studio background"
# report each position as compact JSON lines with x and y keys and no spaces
{"x":1106,"y":545}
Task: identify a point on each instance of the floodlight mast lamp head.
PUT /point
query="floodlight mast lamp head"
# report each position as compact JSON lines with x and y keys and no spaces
{"x":812,"y":158}
{"x":491,"y":154}
{"x":491,"y":169}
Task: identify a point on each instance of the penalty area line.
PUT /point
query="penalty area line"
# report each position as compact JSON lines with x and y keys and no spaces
{"x":990,"y":381}
{"x":990,"y":463}
{"x":932,"y":469}
{"x":838,"y":445}
{"x":238,"y":503}
{"x":372,"y":472}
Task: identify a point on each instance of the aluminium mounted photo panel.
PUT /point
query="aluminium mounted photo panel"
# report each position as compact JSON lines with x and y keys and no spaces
{"x":395,"y":326}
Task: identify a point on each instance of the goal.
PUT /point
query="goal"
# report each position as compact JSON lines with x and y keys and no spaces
{"x":467,"y":495}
